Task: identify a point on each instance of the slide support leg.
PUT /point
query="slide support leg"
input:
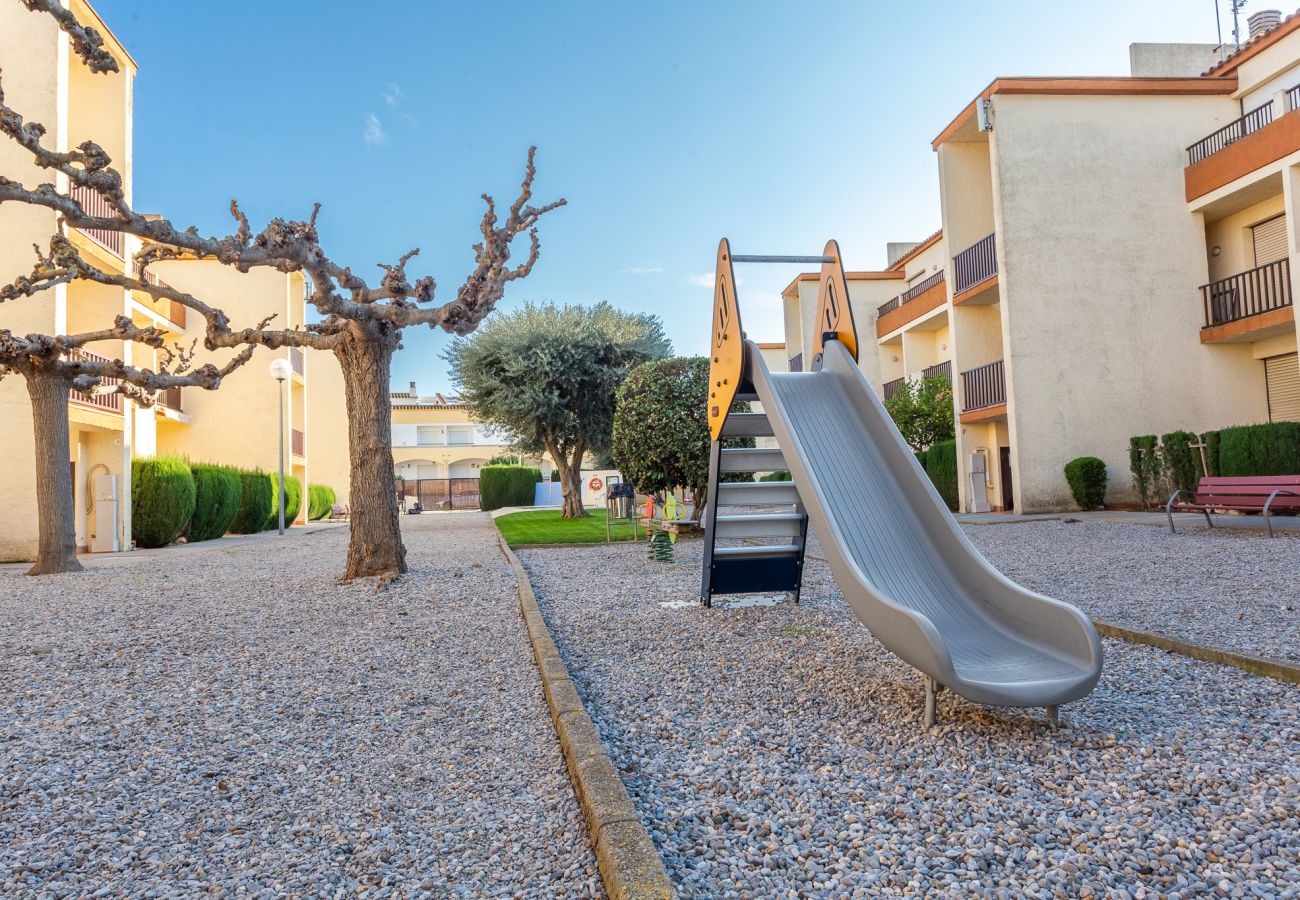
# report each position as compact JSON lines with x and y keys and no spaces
{"x":931,"y":689}
{"x":1053,"y":716}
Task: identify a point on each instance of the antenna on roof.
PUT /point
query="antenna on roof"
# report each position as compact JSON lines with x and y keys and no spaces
{"x":1218,"y":29}
{"x":1237,"y":6}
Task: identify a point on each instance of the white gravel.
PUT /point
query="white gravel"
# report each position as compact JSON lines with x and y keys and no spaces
{"x":234,"y":722}
{"x":777,"y":751}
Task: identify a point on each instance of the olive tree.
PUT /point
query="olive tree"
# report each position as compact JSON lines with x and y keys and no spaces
{"x":549,"y":375}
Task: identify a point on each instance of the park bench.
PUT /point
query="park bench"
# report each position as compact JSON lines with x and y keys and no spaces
{"x":338,"y":512}
{"x":1255,"y":494}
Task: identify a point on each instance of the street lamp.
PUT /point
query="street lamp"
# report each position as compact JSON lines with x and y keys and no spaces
{"x":280,"y":371}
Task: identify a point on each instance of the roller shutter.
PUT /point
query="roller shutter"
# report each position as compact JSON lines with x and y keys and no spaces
{"x":1282,"y":375}
{"x":1270,"y":240}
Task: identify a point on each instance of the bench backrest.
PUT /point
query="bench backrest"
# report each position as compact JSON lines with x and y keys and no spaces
{"x":1249,"y":491}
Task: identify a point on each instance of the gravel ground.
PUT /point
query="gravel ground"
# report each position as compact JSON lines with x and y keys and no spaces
{"x":1229,"y":589}
{"x":777,"y":751}
{"x":235,"y":722}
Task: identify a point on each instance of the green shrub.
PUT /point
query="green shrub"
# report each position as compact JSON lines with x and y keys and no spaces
{"x":292,"y":501}
{"x":1087,"y":478}
{"x":1144,"y":464}
{"x":162,"y":500}
{"x":779,"y":475}
{"x":1182,"y":464}
{"x":1211,"y":441}
{"x":500,"y":486}
{"x":941,"y":466}
{"x":555,"y":476}
{"x":320,"y":499}
{"x":920,"y":456}
{"x":1272,"y":448}
{"x":217,"y":492}
{"x":254,"y":503}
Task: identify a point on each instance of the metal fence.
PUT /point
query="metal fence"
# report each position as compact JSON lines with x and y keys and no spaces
{"x":983,"y":386}
{"x":439,"y":493}
{"x":1231,"y":133}
{"x":1259,"y":290}
{"x":976,"y":264}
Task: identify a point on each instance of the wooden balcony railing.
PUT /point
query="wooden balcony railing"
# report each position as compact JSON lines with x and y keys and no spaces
{"x":170,"y":398}
{"x":295,"y":360}
{"x":983,"y":386}
{"x":1229,"y":134}
{"x":95,"y":205}
{"x":911,"y":293}
{"x":1259,"y":290}
{"x":890,"y":388}
{"x":298,"y":442}
{"x":942,"y":370}
{"x":106,"y":402}
{"x":975,"y":264}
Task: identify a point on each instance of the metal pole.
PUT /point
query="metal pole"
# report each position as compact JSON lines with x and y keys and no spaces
{"x":281,"y":503}
{"x":761,"y":258}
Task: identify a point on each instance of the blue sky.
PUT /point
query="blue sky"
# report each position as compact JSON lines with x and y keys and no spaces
{"x":665,"y":125}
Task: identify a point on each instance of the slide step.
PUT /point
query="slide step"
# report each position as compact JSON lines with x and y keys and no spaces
{"x":746,"y":459}
{"x":747,"y":425}
{"x":782,"y":524}
{"x":757,"y":493}
{"x":756,"y":552}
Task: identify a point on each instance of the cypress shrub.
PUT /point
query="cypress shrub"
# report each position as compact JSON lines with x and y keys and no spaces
{"x":1182,"y":464}
{"x":292,"y":501}
{"x":500,"y":486}
{"x":254,"y":503}
{"x":920,"y":456}
{"x":320,"y":499}
{"x":555,"y":476}
{"x":1144,"y":464}
{"x":1211,"y":441}
{"x":217,"y":492}
{"x":1087,"y":478}
{"x":941,"y":466}
{"x":1272,"y":448}
{"x":162,"y":500}
{"x":780,"y":475}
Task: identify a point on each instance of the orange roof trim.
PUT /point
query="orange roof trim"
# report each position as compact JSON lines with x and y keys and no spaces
{"x":915,"y":251}
{"x":1255,"y":46}
{"x":848,"y":276}
{"x":1118,"y":86}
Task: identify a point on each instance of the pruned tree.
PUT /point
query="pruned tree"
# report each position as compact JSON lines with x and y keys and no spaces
{"x":549,"y":375}
{"x":361,"y":323}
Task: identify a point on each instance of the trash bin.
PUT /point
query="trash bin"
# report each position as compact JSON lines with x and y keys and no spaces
{"x":619,"y":500}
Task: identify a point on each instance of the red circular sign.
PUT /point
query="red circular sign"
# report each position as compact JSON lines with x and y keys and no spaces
{"x":595,"y":483}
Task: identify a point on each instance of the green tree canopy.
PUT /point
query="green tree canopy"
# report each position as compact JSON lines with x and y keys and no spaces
{"x":549,"y":374}
{"x":922,"y":410}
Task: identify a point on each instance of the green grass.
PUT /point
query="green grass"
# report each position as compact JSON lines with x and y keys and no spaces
{"x":546,"y":526}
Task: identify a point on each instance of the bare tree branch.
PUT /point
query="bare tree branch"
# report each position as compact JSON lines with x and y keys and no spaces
{"x":87,"y":43}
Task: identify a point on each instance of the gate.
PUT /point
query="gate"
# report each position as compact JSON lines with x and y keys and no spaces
{"x":440,"y":493}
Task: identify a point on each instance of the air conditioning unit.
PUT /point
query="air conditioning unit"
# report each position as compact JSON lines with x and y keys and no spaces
{"x":104,"y":537}
{"x":979,"y":498}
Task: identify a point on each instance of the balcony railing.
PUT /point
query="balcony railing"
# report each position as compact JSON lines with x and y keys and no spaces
{"x":170,"y":398}
{"x":911,"y":293}
{"x":942,"y":370}
{"x":1259,"y":290}
{"x":97,"y":206}
{"x":1293,"y":98}
{"x":175,"y":311}
{"x":1231,"y":133}
{"x":796,"y":363}
{"x":298,"y":442}
{"x":977,"y":263}
{"x":890,"y":388}
{"x":106,"y":402}
{"x":983,"y":386}
{"x":295,"y":360}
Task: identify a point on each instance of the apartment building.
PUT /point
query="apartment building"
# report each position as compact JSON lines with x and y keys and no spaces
{"x":1114,"y":259}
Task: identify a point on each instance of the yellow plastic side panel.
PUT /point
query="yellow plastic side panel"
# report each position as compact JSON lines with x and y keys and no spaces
{"x":834,"y":314}
{"x":727,"y":348}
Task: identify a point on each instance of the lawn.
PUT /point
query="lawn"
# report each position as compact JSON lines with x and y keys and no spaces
{"x":546,"y":526}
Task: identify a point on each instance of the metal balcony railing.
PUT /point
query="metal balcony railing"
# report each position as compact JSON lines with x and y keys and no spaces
{"x":170,"y":398}
{"x":976,"y":264}
{"x":298,"y":442}
{"x":106,"y":402}
{"x":983,"y":386}
{"x":942,"y":370}
{"x":296,"y":360}
{"x":1293,"y":98}
{"x":1258,"y":290}
{"x":175,"y":312}
{"x":911,"y":293}
{"x":796,"y":363}
{"x":97,"y":206}
{"x":1229,"y":134}
{"x":890,"y":388}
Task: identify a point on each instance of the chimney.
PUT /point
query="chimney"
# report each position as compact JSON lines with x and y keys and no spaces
{"x":1264,"y":21}
{"x":413,"y":393}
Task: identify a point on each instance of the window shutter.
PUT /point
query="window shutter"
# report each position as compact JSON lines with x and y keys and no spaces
{"x":1282,"y":375}
{"x":1270,"y":240}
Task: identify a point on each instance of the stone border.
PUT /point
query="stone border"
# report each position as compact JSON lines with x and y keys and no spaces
{"x":630,"y":866}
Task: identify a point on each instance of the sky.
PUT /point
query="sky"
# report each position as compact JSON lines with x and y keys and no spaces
{"x":666,"y":126}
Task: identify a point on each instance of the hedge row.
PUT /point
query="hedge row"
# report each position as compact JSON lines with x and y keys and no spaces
{"x":171,"y":497}
{"x":500,"y":486}
{"x":320,"y":500}
{"x":940,"y":463}
{"x":1162,"y":465}
{"x":292,"y":501}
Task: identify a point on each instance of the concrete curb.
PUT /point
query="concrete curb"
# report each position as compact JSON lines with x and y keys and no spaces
{"x":629,"y":865}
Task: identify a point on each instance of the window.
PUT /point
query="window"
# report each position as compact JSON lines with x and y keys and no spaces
{"x":1282,"y":378}
{"x":1269,"y":240}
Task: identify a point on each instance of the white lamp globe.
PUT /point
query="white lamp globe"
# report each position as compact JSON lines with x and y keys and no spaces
{"x":280,"y":369}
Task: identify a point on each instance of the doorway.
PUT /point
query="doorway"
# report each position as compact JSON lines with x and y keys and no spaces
{"x":1004,"y":464}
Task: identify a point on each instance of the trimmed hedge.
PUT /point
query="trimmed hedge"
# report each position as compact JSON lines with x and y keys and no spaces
{"x":941,"y":466}
{"x":1211,"y":441}
{"x":779,"y":475}
{"x":1181,"y":464}
{"x":500,"y":486}
{"x":162,"y":500}
{"x":292,"y":501}
{"x":1087,"y":478}
{"x":217,"y":492}
{"x":1269,"y":449}
{"x":254,"y":503}
{"x":1145,"y":466}
{"x":320,"y":499}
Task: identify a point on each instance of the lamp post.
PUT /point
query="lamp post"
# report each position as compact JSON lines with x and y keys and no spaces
{"x":280,"y":370}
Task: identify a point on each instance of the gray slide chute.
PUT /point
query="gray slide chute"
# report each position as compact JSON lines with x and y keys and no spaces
{"x":900,"y":559}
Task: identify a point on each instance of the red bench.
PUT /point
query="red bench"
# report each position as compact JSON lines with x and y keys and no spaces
{"x":1256,"y":494}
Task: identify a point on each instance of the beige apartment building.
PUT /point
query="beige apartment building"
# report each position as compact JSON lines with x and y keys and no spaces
{"x":1115,"y":259}
{"x":235,"y":425}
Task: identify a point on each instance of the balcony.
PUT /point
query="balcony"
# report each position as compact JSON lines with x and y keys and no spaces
{"x":910,"y":294}
{"x":170,"y":398}
{"x":298,"y":442}
{"x":104,"y":402}
{"x":175,"y":312}
{"x":975,"y":265}
{"x":796,"y":363}
{"x":1231,"y":133}
{"x":95,"y":205}
{"x":942,"y":370}
{"x":890,"y":388}
{"x":1259,"y":292}
{"x":1245,"y":145}
{"x":983,"y":388}
{"x":296,"y":360}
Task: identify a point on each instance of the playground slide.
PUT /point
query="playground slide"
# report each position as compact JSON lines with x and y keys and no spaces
{"x":899,"y":557}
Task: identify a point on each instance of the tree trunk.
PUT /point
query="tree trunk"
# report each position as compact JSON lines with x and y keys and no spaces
{"x":375,"y":547}
{"x":55,"y":517}
{"x":570,"y":478}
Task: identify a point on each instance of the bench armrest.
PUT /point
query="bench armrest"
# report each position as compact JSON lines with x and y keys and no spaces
{"x":1267,"y":503}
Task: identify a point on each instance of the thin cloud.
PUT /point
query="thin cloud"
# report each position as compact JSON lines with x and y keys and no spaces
{"x":702,"y":280}
{"x":409,"y":119}
{"x":374,"y":134}
{"x":649,"y":269}
{"x":392,"y":93}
